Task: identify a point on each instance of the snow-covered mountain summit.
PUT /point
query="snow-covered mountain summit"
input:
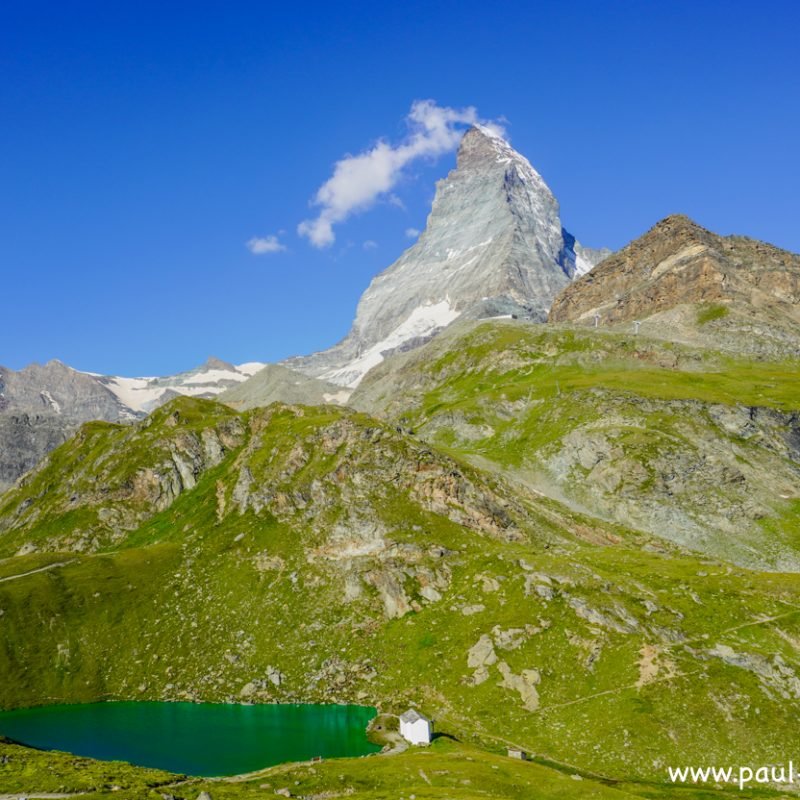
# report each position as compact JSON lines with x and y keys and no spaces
{"x":493,"y":245}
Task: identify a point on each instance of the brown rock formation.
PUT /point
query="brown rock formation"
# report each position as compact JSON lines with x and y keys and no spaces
{"x":676,"y":264}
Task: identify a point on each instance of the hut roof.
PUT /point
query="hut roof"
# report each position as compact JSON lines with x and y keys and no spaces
{"x":412,"y":715}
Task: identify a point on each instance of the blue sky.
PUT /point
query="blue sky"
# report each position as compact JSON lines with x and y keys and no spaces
{"x":144,"y":143}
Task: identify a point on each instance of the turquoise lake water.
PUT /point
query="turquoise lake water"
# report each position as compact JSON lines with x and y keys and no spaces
{"x":194,"y":738}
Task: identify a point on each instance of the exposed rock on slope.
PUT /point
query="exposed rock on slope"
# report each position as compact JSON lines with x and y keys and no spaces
{"x":493,"y":245}
{"x":687,"y":283}
{"x":682,"y":443}
{"x":25,"y":439}
{"x":55,"y":388}
{"x":41,"y":406}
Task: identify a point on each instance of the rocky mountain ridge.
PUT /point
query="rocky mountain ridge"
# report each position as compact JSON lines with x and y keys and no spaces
{"x":683,"y":282}
{"x":42,"y":405}
{"x":493,"y":245}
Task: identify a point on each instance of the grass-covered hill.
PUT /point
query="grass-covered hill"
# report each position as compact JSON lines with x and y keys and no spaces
{"x":455,"y":554}
{"x":690,"y":445}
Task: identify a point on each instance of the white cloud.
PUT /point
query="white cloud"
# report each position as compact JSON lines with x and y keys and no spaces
{"x":358,"y":181}
{"x":412,"y":233}
{"x":369,"y":245}
{"x":261,"y":245}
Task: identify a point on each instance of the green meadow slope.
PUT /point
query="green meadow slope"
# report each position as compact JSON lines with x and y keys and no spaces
{"x":446,"y":770}
{"x":690,"y":445}
{"x":319,"y":554}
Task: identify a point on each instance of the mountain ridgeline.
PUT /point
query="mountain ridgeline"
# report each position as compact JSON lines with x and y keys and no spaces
{"x":43,"y":405}
{"x":493,"y":245}
{"x":682,"y":282}
{"x":579,"y":537}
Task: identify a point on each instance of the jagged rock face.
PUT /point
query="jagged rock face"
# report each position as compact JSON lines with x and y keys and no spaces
{"x":54,"y":388}
{"x":493,"y":245}
{"x":26,"y":439}
{"x":41,"y":406}
{"x":678,"y":265}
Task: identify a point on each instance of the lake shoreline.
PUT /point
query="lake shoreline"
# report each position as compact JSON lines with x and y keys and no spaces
{"x":199,"y":739}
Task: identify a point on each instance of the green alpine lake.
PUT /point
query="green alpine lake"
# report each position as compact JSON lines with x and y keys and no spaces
{"x":194,"y":738}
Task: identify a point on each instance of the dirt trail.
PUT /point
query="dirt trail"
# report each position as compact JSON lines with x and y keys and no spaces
{"x":40,"y":795}
{"x":25,"y":575}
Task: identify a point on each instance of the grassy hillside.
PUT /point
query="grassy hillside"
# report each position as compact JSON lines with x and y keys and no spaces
{"x":25,"y":771}
{"x":686,"y":444}
{"x":447,"y":769}
{"x":317,"y":554}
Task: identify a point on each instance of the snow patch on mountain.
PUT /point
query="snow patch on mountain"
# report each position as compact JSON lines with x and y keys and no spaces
{"x":422,"y":323}
{"x":582,"y":266}
{"x":250,"y":368}
{"x":53,"y":404}
{"x":142,"y":395}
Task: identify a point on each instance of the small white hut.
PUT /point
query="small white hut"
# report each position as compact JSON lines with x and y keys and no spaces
{"x":415,"y":728}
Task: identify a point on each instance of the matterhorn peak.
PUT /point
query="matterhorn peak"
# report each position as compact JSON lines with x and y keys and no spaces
{"x":493,"y":246}
{"x":482,"y":141}
{"x":482,"y":136}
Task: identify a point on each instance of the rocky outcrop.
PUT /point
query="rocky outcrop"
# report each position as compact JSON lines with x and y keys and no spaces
{"x":684,"y":282}
{"x":115,"y":494}
{"x":480,"y":657}
{"x":524,"y":684}
{"x":483,"y":655}
{"x":777,"y":678}
{"x":364,"y":454}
